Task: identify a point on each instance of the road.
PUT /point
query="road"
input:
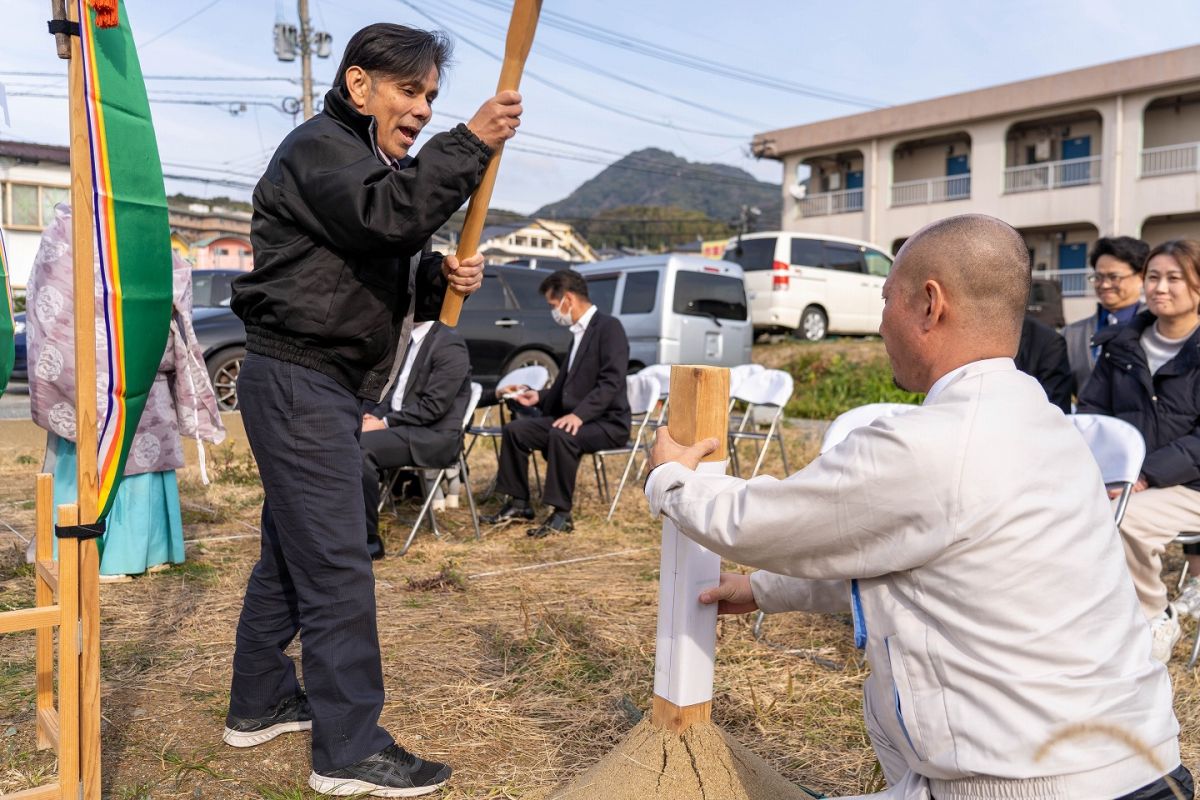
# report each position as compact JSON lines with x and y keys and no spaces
{"x":15,"y":402}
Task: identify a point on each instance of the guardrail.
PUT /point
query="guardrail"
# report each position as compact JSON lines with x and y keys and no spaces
{"x":1073,"y":282}
{"x":822,"y":205}
{"x":1171,"y":160}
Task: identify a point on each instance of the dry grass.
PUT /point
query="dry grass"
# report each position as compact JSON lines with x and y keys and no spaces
{"x":516,"y":677}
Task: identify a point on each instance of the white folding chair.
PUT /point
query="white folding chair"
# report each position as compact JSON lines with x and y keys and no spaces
{"x":663,"y":373}
{"x":643,"y":392}
{"x":429,"y":486}
{"x":836,"y":433}
{"x":533,"y":376}
{"x":739,"y":373}
{"x":1119,"y":450}
{"x":764,"y":394}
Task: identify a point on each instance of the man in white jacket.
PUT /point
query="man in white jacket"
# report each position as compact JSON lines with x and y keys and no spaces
{"x":997,"y":669}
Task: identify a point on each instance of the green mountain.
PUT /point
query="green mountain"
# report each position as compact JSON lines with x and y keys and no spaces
{"x":654,"y":177}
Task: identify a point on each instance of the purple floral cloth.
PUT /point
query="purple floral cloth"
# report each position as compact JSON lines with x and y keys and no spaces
{"x":181,"y":401}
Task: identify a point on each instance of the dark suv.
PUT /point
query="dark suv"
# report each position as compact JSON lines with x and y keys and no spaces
{"x":506,"y":325}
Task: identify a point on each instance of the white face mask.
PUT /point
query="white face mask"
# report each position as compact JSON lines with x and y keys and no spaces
{"x":561,"y":318}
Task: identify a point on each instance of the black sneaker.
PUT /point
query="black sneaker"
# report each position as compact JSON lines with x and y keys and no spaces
{"x":513,"y":509}
{"x":292,"y":714}
{"x":392,"y":772}
{"x":557,"y":522}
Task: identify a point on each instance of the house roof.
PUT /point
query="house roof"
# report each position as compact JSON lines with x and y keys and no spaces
{"x":30,"y":151}
{"x":1080,"y":85}
{"x":207,"y":240}
{"x":496,"y":231}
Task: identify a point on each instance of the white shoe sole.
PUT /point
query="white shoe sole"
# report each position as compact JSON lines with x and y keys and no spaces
{"x":252,"y":738}
{"x":347,"y":787}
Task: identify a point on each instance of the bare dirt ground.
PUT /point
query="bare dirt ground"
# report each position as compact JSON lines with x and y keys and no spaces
{"x":516,"y":669}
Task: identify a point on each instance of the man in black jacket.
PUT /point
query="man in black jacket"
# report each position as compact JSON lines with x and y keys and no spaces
{"x":583,"y":411}
{"x":341,"y":218}
{"x":1043,"y":354}
{"x":423,"y":428}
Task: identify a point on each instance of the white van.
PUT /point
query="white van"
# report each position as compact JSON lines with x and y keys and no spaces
{"x":675,"y":309}
{"x":811,"y":285}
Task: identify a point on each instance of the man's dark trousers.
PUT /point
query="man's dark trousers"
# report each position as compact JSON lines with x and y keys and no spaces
{"x":313,"y":575}
{"x":381,"y":450}
{"x":524,"y":435}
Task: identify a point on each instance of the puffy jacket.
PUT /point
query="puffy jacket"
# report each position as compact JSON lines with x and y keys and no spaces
{"x":338,"y":237}
{"x":1164,"y":406}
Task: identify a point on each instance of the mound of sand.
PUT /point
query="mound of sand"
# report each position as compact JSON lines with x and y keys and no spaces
{"x":702,"y":764}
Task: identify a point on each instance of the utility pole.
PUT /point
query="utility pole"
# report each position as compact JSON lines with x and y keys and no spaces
{"x":289,"y":40}
{"x":306,"y":59}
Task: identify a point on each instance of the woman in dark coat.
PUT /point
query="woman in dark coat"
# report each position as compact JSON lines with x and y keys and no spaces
{"x":1148,"y":374}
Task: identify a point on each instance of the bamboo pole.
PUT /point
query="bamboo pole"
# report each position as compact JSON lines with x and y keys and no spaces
{"x":87,"y":479}
{"x":521,"y":28}
{"x":683,"y":663}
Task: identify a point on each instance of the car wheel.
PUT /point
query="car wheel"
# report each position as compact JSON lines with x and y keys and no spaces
{"x":531,"y":358}
{"x":223,"y":369}
{"x":813,"y":325}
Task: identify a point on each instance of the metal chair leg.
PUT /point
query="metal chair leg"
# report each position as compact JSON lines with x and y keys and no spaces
{"x":466,"y":479}
{"x":425,"y":508}
{"x":1195,"y":649}
{"x":596,"y":472}
{"x":758,"y":623}
{"x":762,"y":454}
{"x":624,"y":477}
{"x":783,"y":452}
{"x":1183,"y":573}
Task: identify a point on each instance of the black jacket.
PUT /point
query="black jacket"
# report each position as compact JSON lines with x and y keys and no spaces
{"x":1043,"y":354}
{"x":435,"y":399}
{"x":337,"y":238}
{"x":594,"y":388}
{"x":1165,"y":407}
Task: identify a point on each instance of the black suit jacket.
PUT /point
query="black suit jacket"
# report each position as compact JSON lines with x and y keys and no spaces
{"x":1043,"y":354}
{"x":593,"y":389}
{"x":435,"y":400}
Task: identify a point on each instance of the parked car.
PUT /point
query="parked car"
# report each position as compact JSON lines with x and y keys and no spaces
{"x":213,"y":288}
{"x":676,"y":309}
{"x":1045,"y":302}
{"x":20,"y":370}
{"x":506,"y":325}
{"x":811,"y":285}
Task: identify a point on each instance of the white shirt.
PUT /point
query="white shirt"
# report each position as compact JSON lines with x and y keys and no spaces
{"x":578,"y":329}
{"x":419,"y":332}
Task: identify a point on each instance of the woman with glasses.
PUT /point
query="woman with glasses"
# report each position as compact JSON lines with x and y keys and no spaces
{"x":1116,"y":276}
{"x":1148,"y":374}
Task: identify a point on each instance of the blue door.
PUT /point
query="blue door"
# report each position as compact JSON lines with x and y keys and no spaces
{"x":958,"y":172}
{"x":854,"y":195}
{"x":1073,"y":257}
{"x":1075,"y":174}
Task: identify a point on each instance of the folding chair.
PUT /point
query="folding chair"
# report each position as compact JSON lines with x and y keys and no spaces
{"x":836,"y":433}
{"x":389,"y":480}
{"x":663,"y":373}
{"x":642,"y":391}
{"x":533,"y":376}
{"x":1118,"y":448}
{"x":765,"y":394}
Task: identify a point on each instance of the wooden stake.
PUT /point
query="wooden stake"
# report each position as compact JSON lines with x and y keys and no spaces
{"x":687,"y":630}
{"x":68,"y":658}
{"x":87,"y":478}
{"x":44,"y":596}
{"x":521,"y":28}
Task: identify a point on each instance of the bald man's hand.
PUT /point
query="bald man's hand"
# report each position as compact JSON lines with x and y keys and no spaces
{"x":734,"y":594}
{"x":667,"y":449}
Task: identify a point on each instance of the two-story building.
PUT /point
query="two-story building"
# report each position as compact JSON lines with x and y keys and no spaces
{"x":540,"y":239}
{"x":1107,"y":150}
{"x":33,"y":179}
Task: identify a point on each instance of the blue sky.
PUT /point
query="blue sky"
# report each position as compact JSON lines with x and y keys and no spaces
{"x":886,"y":52}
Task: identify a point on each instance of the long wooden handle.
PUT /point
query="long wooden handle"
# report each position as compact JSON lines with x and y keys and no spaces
{"x":516,"y":49}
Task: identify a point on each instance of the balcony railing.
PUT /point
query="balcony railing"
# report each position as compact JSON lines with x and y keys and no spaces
{"x":1171,"y":160}
{"x":1073,"y":282}
{"x":822,"y":205}
{"x":933,"y":190}
{"x":1052,"y":175}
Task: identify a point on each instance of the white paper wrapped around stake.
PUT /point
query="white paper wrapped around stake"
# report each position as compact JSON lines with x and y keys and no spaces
{"x":687,"y":629}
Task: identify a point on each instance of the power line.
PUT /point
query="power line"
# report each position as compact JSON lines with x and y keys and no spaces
{"x":233,"y":78}
{"x":570,"y":92}
{"x":181,"y":22}
{"x":658,"y":51}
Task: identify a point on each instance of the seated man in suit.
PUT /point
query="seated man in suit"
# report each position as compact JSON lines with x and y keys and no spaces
{"x":1042,"y":353}
{"x":583,"y":411}
{"x":419,"y":422}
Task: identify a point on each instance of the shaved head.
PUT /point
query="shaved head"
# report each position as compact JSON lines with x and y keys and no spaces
{"x":981,"y":261}
{"x":956,"y":294}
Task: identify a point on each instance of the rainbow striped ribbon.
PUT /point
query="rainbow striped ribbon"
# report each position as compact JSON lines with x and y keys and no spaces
{"x":8,"y":351}
{"x":133,"y":237}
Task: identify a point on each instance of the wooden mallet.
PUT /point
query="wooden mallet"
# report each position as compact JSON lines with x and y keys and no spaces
{"x":516,"y":49}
